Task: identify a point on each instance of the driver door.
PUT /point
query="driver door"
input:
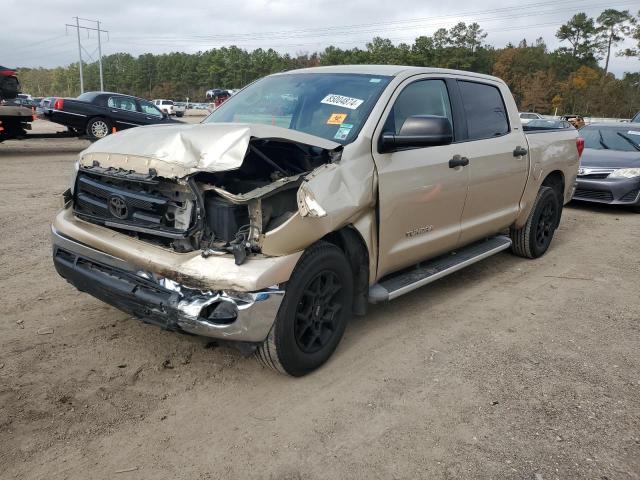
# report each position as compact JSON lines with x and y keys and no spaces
{"x":421,"y":197}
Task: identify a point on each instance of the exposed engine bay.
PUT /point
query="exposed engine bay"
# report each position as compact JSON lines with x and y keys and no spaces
{"x":216,"y":212}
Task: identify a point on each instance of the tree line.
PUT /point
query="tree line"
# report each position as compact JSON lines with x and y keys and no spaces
{"x":569,"y":79}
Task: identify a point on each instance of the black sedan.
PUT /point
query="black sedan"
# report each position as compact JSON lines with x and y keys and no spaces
{"x":610,"y":165}
{"x":97,"y":114}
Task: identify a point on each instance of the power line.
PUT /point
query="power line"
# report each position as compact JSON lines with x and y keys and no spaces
{"x":171,"y":41}
{"x":330,"y":30}
{"x":77,"y":26}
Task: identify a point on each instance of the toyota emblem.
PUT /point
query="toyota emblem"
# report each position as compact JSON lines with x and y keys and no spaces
{"x":118,"y":206}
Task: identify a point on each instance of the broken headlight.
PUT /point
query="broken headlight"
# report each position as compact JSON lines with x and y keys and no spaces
{"x":307,"y":203}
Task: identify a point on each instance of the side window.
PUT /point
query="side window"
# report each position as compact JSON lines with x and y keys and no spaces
{"x":484,"y":109}
{"x":123,"y":103}
{"x":149,"y":108}
{"x":424,"y":97}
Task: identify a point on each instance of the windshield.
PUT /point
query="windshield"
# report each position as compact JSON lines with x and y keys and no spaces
{"x":333,"y":106}
{"x":625,"y":139}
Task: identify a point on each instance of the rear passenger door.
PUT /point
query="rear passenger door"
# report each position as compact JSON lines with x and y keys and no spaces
{"x":497,"y":167}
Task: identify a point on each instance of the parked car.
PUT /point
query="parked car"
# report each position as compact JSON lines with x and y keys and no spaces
{"x":544,"y":124}
{"x":576,"y":120}
{"x":610,"y":165}
{"x":169,"y":107}
{"x":97,"y":113}
{"x":219,"y":98}
{"x":526,"y":117}
{"x":271,"y":227}
{"x":45,"y":106}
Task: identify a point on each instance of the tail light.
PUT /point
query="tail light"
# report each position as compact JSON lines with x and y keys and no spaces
{"x":58,"y":104}
{"x":580,"y":145}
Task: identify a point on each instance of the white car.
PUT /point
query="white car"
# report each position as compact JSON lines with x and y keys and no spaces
{"x":168,"y":107}
{"x":526,"y":117}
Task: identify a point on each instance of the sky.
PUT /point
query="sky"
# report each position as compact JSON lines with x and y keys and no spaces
{"x":285,"y":25}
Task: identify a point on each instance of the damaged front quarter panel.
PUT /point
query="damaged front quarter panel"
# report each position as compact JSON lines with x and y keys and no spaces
{"x":329,"y":198}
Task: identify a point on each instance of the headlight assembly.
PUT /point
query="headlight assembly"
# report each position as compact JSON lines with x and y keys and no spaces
{"x":308,"y":205}
{"x":625,"y":173}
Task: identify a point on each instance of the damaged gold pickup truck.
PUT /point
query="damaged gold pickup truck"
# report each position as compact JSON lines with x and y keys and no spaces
{"x":307,"y":196}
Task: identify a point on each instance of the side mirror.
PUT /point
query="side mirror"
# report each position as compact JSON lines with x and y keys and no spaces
{"x":418,"y":131}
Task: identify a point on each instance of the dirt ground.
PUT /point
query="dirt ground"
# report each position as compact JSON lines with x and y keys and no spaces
{"x":510,"y":369}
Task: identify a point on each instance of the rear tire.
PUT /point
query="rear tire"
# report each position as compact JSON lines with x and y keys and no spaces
{"x":534,"y":238}
{"x":98,"y":128}
{"x":313,"y":314}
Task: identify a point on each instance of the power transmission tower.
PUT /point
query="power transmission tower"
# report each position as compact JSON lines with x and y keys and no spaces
{"x":77,"y":26}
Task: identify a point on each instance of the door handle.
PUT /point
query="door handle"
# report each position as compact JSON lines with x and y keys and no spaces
{"x":520,"y":151}
{"x":458,"y":161}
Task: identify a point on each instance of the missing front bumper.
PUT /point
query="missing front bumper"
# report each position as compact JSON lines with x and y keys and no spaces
{"x":237,"y":316}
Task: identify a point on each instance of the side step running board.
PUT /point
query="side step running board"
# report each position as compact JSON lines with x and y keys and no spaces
{"x":409,"y":279}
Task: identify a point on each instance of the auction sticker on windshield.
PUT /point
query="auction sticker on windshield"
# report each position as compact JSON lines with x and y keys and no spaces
{"x":342,"y":101}
{"x":343,"y":131}
{"x":336,"y":118}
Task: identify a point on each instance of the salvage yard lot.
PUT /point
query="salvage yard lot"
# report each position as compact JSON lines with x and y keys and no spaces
{"x":511,"y":368}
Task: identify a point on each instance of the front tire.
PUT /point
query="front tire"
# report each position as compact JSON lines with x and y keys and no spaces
{"x":313,"y":314}
{"x":98,"y":128}
{"x":534,"y":238}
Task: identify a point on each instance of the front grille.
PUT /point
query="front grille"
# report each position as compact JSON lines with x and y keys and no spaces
{"x":593,"y":195}
{"x":153,"y":206}
{"x":630,"y":196}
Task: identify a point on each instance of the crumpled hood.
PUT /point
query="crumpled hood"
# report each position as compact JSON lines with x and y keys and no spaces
{"x":188,"y":148}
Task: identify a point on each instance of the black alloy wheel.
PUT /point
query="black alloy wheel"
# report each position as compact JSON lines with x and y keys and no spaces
{"x":313,"y":314}
{"x":317,"y":312}
{"x":546,"y":225}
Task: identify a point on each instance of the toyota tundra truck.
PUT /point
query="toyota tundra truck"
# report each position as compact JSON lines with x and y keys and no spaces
{"x":305,"y":198}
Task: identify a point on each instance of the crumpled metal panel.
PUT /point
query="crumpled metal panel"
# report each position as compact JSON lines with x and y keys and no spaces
{"x":179,"y":150}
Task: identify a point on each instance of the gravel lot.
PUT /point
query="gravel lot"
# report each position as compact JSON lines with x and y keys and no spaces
{"x":509,"y":369}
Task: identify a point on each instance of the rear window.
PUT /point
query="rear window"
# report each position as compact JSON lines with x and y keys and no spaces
{"x":624,"y":139}
{"x":528,"y":115}
{"x":167,"y":102}
{"x":484,"y":109}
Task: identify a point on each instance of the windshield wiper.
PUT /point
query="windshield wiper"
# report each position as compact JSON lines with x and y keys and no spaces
{"x":602,"y":140}
{"x":633,"y":144}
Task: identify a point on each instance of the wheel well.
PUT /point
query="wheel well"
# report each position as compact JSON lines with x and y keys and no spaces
{"x":555,"y":180}
{"x":349,"y":240}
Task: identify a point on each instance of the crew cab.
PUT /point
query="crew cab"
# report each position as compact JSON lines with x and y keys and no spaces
{"x":305,"y":198}
{"x":96,"y":114}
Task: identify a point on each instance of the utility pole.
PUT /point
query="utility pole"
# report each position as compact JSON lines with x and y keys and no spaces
{"x":79,"y":55}
{"x":77,"y":26}
{"x":100,"y":57}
